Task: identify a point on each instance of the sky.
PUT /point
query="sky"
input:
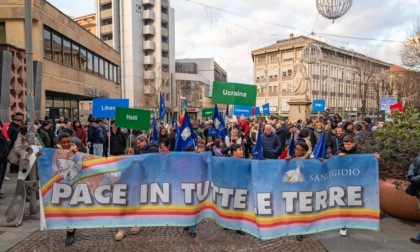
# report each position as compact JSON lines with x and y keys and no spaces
{"x":229,"y":30}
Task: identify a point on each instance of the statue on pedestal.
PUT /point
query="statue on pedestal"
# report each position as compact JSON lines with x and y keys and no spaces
{"x":301,"y":81}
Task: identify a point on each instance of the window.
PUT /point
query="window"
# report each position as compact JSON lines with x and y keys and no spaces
{"x":2,"y":32}
{"x":116,"y":74}
{"x":57,"y":48}
{"x":95,"y":64}
{"x":75,"y":50}
{"x":270,"y":89}
{"x":275,"y":89}
{"x":47,"y":44}
{"x":111,"y":72}
{"x":90,"y":62}
{"x":106,"y":72}
{"x":67,"y":52}
{"x":83,"y":59}
{"x":101,"y":67}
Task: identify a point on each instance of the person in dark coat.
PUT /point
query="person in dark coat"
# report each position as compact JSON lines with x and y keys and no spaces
{"x":270,"y":143}
{"x":413,"y":176}
{"x":337,"y":140}
{"x":118,"y":140}
{"x":4,"y":151}
{"x":13,"y":132}
{"x":163,"y":137}
{"x":282,"y":132}
{"x":46,"y":135}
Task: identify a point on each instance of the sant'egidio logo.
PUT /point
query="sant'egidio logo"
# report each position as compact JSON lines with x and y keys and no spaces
{"x":294,"y":176}
{"x":186,"y":133}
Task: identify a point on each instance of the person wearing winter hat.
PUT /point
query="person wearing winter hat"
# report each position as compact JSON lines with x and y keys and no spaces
{"x":368,"y":123}
{"x":46,"y":135}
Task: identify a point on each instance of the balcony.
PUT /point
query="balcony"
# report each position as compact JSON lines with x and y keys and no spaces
{"x":165,"y":61}
{"x":148,"y":30}
{"x":148,"y":45}
{"x":106,"y":14}
{"x":165,"y":4}
{"x":165,"y":47}
{"x":148,"y":2}
{"x":149,"y":75}
{"x":148,"y":60}
{"x":102,"y":2}
{"x":165,"y":18}
{"x":106,"y":29}
{"x":165,"y":32}
{"x":148,"y":15}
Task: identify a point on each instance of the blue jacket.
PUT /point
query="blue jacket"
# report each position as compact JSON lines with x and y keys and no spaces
{"x":271,"y":146}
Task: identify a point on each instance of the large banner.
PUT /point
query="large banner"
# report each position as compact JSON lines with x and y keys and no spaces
{"x":268,"y":198}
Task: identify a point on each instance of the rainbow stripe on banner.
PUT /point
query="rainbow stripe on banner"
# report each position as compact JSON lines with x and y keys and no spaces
{"x":181,"y":189}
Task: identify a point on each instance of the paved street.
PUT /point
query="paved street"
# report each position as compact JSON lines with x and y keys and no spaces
{"x":394,"y":236}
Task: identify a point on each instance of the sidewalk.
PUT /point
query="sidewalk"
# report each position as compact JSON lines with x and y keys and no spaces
{"x":394,"y":236}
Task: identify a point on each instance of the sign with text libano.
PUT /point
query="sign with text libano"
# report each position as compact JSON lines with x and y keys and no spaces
{"x":105,"y":108}
{"x":129,"y":118}
{"x":234,"y":94}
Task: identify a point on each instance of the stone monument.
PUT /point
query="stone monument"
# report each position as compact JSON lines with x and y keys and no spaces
{"x":300,"y":103}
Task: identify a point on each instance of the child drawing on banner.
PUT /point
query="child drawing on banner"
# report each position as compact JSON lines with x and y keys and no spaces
{"x":67,"y":163}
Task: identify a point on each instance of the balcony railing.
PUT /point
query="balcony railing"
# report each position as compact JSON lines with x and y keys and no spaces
{"x":148,"y":45}
{"x":148,"y":30}
{"x":148,"y":15}
{"x":148,"y":2}
{"x":148,"y":60}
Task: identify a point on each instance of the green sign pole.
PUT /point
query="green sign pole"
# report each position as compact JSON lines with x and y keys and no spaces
{"x":234,"y":94}
{"x":132,"y":118}
{"x":207,"y":112}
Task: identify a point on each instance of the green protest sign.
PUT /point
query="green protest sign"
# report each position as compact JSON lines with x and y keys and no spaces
{"x":129,"y":118}
{"x":207,"y":112}
{"x":234,"y":94}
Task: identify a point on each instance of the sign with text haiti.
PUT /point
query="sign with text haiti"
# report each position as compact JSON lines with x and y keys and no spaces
{"x":138,"y":119}
{"x":234,"y":94}
{"x":105,"y":108}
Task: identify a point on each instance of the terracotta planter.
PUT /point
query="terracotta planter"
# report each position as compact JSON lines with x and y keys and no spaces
{"x":396,"y":202}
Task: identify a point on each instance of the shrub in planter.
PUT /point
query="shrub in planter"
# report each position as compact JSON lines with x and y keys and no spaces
{"x":398,"y":143}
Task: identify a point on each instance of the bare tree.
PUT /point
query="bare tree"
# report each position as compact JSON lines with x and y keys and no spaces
{"x":410,"y":54}
{"x":381,"y":86}
{"x":364,"y":70}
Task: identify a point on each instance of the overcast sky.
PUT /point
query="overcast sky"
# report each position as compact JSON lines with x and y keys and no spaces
{"x":229,"y":30}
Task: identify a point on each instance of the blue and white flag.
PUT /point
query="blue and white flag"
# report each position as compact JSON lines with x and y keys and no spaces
{"x":320,"y":150}
{"x":162,"y":108}
{"x":258,"y":150}
{"x":218,"y":129}
{"x":186,"y":137}
{"x":155,"y":131}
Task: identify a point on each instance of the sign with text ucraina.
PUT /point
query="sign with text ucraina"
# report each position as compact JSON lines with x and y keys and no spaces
{"x":234,"y":94}
{"x":129,"y":118}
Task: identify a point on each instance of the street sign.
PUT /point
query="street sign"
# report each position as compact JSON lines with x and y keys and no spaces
{"x":207,"y":112}
{"x":129,"y":118}
{"x":318,"y":105}
{"x":234,"y":94}
{"x":105,"y":108}
{"x":242,"y":110}
{"x":266,"y":109}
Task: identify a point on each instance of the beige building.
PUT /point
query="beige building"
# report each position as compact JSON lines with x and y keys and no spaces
{"x":193,"y":79}
{"x":341,"y":77}
{"x":88,"y":22}
{"x":70,"y":64}
{"x":143,"y":32}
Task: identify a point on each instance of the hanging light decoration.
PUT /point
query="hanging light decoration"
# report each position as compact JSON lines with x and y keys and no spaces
{"x":311,"y":53}
{"x":333,"y":9}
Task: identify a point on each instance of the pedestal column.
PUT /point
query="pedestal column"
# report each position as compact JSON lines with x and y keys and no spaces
{"x":299,"y":109}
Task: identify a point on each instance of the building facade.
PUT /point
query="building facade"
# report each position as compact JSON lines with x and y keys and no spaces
{"x":88,"y":22}
{"x":71,"y":65}
{"x":193,"y":80}
{"x":143,"y":32}
{"x":344,"y":79}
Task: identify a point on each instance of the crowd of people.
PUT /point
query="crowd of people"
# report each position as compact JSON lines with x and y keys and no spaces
{"x":242,"y":133}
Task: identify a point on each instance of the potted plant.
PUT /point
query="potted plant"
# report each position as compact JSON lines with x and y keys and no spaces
{"x":398,"y":143}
